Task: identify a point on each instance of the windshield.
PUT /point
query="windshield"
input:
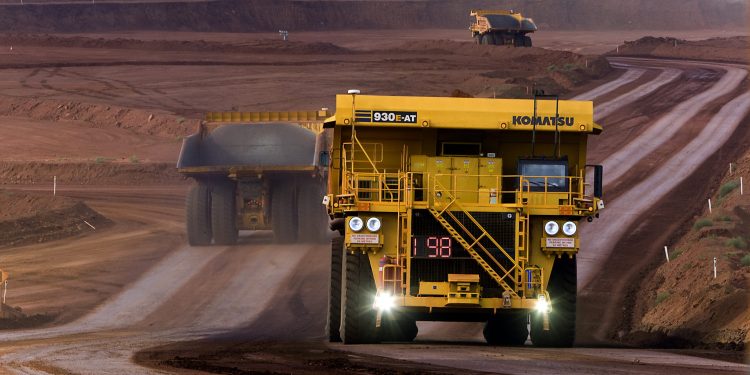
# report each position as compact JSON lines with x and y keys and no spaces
{"x":544,"y":168}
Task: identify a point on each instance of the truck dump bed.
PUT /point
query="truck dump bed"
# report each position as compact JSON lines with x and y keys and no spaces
{"x":249,"y":147}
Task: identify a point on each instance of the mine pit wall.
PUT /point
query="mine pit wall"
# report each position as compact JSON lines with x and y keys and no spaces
{"x":271,"y":16}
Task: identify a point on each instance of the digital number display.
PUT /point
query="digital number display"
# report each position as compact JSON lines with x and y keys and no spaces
{"x":432,"y":247}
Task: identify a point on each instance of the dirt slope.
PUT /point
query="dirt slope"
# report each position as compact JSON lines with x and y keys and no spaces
{"x":733,"y":49}
{"x":681,"y":302}
{"x":267,"y":15}
{"x":35,"y":218}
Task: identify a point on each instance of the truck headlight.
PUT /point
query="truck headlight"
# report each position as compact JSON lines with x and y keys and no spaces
{"x":383,"y":301}
{"x":551,"y":228}
{"x":569,"y":228}
{"x":356,"y":224}
{"x":542,"y":305}
{"x":373,"y":224}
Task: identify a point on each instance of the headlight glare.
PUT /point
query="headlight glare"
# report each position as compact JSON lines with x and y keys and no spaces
{"x":373,"y":224}
{"x":542,"y":305}
{"x":383,"y":301}
{"x":551,"y":228}
{"x":569,"y":228}
{"x":356,"y":224}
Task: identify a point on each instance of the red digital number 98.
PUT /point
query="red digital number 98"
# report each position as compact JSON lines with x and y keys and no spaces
{"x":440,"y":246}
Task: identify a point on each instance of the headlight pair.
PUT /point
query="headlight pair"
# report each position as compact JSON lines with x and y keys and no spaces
{"x":356,"y":224}
{"x":552,"y":228}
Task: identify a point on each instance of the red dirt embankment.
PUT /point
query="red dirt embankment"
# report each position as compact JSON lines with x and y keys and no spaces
{"x":734,"y":49}
{"x":271,"y":15}
{"x":681,"y":303}
{"x":33,"y":218}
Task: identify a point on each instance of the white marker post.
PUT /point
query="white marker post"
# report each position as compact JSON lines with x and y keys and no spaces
{"x":730,"y":169}
{"x":714,"y":267}
{"x":54,"y":186}
{"x":742,"y":192}
{"x":666,"y":253}
{"x":709,"y":206}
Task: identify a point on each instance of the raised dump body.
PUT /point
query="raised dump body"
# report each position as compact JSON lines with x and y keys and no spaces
{"x":256,"y":171}
{"x":458,"y":209}
{"x":501,"y":27}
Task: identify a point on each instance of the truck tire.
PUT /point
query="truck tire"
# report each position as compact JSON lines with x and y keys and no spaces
{"x":527,"y":41}
{"x":198,"y":215}
{"x":224,"y":213}
{"x":488,"y":39}
{"x":519,"y":41}
{"x":399,"y":328}
{"x":334,"y":292}
{"x":311,"y":214}
{"x":562,"y":317}
{"x":358,"y":316}
{"x":507,"y":328}
{"x":284,"y":211}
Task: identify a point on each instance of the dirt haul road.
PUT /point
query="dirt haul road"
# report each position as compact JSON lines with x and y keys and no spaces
{"x":262,"y":292}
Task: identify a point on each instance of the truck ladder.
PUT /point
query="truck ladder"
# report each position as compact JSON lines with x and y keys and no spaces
{"x":471,"y":247}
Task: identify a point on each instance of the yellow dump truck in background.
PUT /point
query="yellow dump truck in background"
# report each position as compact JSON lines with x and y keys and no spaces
{"x":458,"y":209}
{"x":501,"y":27}
{"x":256,"y":171}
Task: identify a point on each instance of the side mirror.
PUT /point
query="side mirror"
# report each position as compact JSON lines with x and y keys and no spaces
{"x":323,"y":159}
{"x":598,"y":181}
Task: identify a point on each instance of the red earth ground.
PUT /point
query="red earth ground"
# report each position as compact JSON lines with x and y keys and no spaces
{"x":106,"y":117}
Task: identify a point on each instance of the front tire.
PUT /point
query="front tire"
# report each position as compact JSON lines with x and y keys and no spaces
{"x":507,"y":328}
{"x":334,"y":291}
{"x":562,"y":316}
{"x":488,"y":39}
{"x":358,"y":316}
{"x":198,"y":215}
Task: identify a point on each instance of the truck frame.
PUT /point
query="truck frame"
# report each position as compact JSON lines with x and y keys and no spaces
{"x":255,"y":171}
{"x":458,"y":209}
{"x":501,"y":27}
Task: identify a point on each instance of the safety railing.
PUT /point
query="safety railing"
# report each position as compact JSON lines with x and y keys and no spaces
{"x":481,"y":190}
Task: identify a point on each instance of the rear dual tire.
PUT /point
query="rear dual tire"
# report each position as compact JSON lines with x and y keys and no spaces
{"x":224,"y":213}
{"x":198,"y":215}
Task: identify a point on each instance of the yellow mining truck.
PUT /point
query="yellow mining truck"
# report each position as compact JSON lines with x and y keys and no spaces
{"x":256,"y":171}
{"x":501,"y":27}
{"x":458,"y":209}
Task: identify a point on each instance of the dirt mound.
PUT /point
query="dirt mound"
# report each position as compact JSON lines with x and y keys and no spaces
{"x":34,"y":218}
{"x":268,"y":15}
{"x":93,"y":173}
{"x":151,"y":122}
{"x":268,"y":46}
{"x":682,"y":303}
{"x":735,"y":49}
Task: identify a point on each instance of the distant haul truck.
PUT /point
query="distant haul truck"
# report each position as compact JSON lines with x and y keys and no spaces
{"x":458,"y":209}
{"x":502,"y":27}
{"x":256,"y":171}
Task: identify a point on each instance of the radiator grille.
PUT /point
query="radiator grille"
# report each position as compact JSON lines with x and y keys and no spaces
{"x":501,"y":226}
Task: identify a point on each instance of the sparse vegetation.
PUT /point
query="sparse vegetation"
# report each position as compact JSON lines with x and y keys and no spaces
{"x":688,"y":266}
{"x":745,"y":261}
{"x":727,"y":188}
{"x":737,"y":243}
{"x":724,"y":218}
{"x":661,"y":297}
{"x":702,"y":223}
{"x":134,"y":159}
{"x":674,"y":254}
{"x":101,"y":159}
{"x":552,"y":68}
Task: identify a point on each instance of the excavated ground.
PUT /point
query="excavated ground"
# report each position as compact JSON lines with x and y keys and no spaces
{"x":106,"y":117}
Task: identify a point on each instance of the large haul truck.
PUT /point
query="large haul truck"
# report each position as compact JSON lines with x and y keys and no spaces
{"x":501,"y":27}
{"x":256,"y":171}
{"x":458,"y":209}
